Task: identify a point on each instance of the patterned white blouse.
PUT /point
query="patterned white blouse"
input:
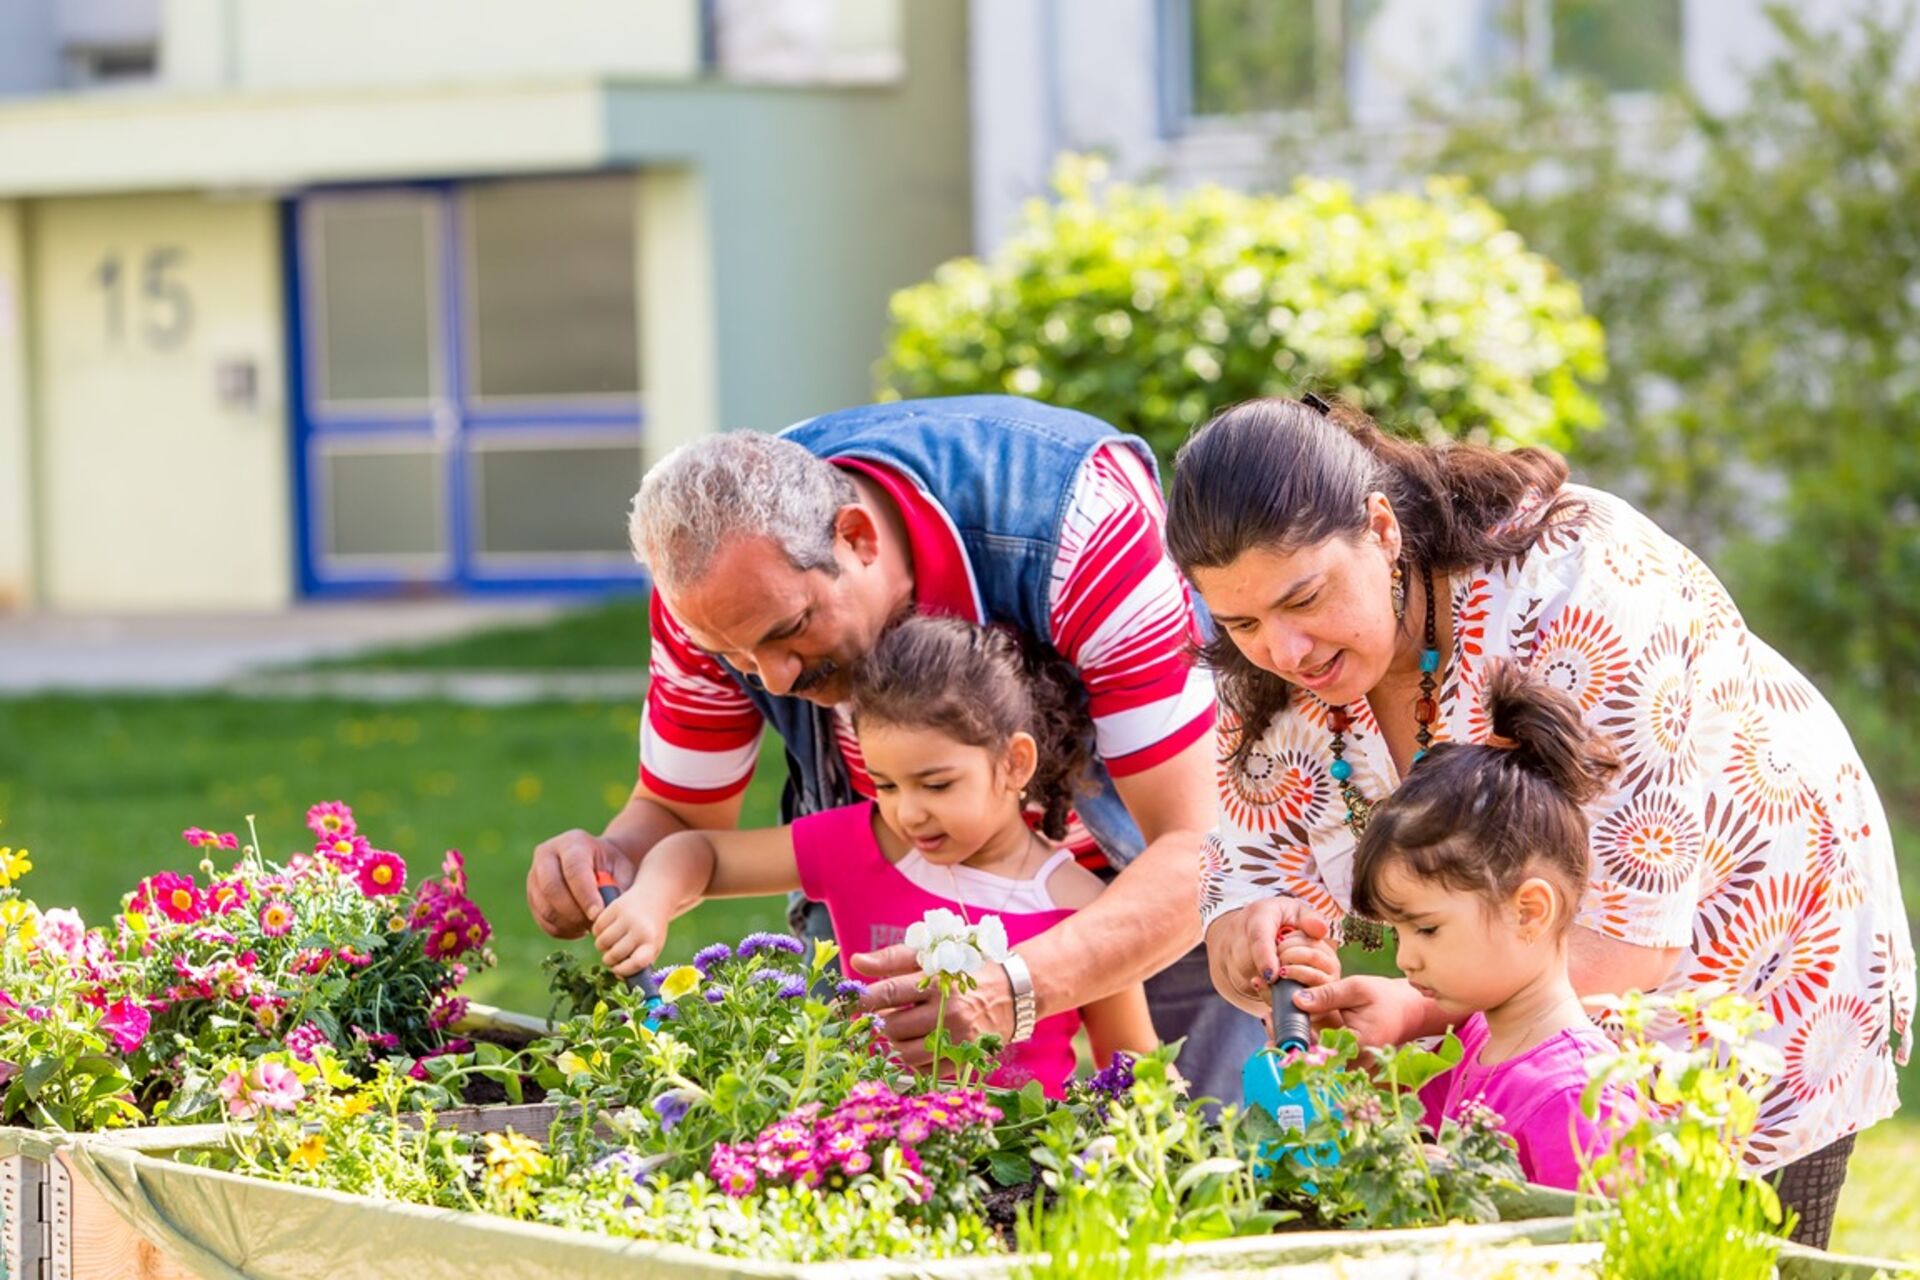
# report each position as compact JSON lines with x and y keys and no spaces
{"x":1741,"y":827}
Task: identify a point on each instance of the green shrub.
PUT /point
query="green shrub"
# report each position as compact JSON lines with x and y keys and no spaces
{"x":1152,"y":312}
{"x":1762,"y":301}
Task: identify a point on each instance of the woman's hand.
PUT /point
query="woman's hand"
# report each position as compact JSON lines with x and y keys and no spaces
{"x":1247,"y":948}
{"x":1380,"y":1011}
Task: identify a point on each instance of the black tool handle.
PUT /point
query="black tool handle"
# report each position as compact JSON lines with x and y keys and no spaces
{"x":1291,"y":1027}
{"x":608,"y":892}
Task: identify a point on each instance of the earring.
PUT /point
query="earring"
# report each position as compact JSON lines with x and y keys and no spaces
{"x":1399,"y":593}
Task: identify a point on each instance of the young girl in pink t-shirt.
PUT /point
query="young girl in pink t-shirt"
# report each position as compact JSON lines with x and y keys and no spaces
{"x":1479,"y":860}
{"x":959,"y":733}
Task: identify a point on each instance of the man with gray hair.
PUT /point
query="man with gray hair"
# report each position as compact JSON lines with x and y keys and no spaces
{"x":778,"y":561}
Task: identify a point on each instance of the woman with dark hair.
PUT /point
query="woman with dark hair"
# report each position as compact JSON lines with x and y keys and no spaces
{"x":1362,"y":586}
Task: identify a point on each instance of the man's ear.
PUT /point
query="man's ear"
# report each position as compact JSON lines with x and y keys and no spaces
{"x":854,"y":525}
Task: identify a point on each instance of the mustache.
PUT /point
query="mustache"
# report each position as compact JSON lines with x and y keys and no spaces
{"x":814,"y":677}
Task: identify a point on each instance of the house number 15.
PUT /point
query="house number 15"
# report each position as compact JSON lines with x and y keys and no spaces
{"x":165,"y":307}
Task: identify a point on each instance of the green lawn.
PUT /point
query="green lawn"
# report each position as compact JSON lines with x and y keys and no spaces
{"x":613,"y":634}
{"x":99,"y":788}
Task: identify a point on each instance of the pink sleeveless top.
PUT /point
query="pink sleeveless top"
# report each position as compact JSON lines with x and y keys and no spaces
{"x":872,"y":901}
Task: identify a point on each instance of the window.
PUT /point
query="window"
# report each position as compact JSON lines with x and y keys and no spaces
{"x":1623,"y":46}
{"x":111,"y":66}
{"x":1248,"y":57}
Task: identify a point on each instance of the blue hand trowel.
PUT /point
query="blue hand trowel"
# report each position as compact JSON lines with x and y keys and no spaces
{"x":640,"y":982}
{"x":1263,"y":1083}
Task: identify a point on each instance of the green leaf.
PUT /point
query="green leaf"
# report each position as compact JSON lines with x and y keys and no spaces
{"x":1010,"y":1168}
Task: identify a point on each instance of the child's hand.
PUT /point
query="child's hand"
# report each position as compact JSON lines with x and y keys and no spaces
{"x":1311,"y":962}
{"x":629,"y":935}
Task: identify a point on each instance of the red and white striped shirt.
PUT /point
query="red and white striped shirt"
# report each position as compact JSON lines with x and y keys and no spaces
{"x":1118,"y":609}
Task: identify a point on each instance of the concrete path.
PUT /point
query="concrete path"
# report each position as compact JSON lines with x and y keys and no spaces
{"x":46,"y":652}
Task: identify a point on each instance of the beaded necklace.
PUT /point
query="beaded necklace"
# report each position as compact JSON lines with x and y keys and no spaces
{"x":1425,"y":711}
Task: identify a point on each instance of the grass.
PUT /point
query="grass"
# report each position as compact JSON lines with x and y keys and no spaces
{"x":607,"y":635}
{"x":99,"y":788}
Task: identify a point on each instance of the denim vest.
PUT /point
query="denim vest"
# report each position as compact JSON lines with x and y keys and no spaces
{"x":1004,"y":470}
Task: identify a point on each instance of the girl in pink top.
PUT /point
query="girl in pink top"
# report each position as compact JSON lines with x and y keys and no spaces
{"x":1479,"y":861}
{"x":959,"y":733}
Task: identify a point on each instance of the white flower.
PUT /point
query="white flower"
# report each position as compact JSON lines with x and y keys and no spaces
{"x":990,"y":935}
{"x":943,"y":942}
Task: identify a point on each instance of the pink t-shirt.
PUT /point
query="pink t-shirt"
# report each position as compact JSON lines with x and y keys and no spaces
{"x":1537,"y":1096}
{"x":871,"y":902}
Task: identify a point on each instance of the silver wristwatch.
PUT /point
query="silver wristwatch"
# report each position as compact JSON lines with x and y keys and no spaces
{"x":1025,"y":1007}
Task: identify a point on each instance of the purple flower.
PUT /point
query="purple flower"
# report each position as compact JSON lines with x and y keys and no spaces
{"x":671,"y":1107}
{"x":850,"y":989}
{"x":774,"y":977}
{"x":626,"y":1163}
{"x":793,"y":988}
{"x":1115,"y":1079}
{"x":706,"y":957}
{"x":756,"y":942}
{"x":713,"y":995}
{"x":666,"y":1013}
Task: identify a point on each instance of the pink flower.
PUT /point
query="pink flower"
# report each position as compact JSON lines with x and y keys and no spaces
{"x":176,"y":895}
{"x":453,"y":869}
{"x":382,"y":874}
{"x":379,"y":1039}
{"x":446,"y":1011}
{"x":226,"y":895}
{"x":313,"y":960}
{"x":269,"y":1086}
{"x":305,"y":1040}
{"x":330,"y":819}
{"x":344,"y":852}
{"x":276,"y":918}
{"x":210,"y":839}
{"x":127,"y":1022}
{"x":63,"y":931}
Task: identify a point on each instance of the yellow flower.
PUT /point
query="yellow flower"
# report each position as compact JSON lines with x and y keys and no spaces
{"x":572,"y":1064}
{"x":13,"y":865}
{"x":683,"y":979}
{"x":356,"y":1105}
{"x":396,"y":924}
{"x":20,"y":918}
{"x":511,"y":1159}
{"x":310,"y":1152}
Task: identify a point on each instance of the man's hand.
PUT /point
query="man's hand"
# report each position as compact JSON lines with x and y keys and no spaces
{"x":907,"y":1015}
{"x":560,"y":889}
{"x":1247,"y":948}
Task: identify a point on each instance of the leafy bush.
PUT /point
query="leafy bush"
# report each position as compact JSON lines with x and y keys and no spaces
{"x":1758,"y":272}
{"x":1153,"y":312}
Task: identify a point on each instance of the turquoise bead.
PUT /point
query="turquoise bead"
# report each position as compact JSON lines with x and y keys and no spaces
{"x":1341,"y":770}
{"x":1418,"y":756}
{"x":1429,"y":660}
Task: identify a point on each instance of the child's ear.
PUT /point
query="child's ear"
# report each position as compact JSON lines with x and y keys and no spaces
{"x":1021,"y":759}
{"x":1535,"y":904}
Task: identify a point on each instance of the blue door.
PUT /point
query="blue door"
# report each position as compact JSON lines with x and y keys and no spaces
{"x":467,"y":398}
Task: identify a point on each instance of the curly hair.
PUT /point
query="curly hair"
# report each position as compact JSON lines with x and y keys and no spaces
{"x":980,"y":686}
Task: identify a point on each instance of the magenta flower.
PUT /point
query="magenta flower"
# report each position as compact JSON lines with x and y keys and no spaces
{"x":127,"y":1022}
{"x":276,"y":918}
{"x":305,"y":1040}
{"x":379,"y":1039}
{"x":329,"y":820}
{"x":226,"y":895}
{"x":343,"y":852}
{"x":177,"y":896}
{"x":446,"y":1011}
{"x":381,"y":874}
